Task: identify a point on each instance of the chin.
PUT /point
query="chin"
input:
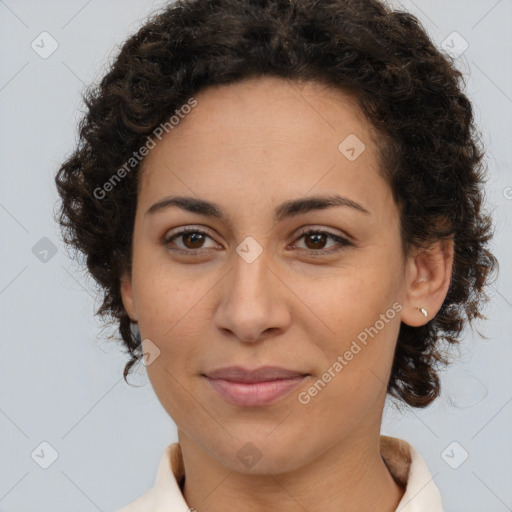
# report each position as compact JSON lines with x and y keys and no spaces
{"x":259,"y":455}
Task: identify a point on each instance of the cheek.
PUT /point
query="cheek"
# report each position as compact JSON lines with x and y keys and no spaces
{"x":173,"y":373}
{"x":170,"y":315}
{"x":338,"y":310}
{"x":361,"y":321}
{"x":175,"y":394}
{"x":353,"y":385}
{"x":166,"y":295}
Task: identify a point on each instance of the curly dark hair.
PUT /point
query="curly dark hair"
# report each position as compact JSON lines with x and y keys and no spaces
{"x":410,"y":92}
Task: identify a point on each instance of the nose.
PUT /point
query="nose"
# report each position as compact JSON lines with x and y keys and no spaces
{"x":253,"y":300}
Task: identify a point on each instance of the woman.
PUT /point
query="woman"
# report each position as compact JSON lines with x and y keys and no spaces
{"x":283,"y":201}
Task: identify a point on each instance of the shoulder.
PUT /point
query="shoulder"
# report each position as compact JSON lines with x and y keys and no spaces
{"x":143,"y":503}
{"x":411,"y":472}
{"x":166,"y":492}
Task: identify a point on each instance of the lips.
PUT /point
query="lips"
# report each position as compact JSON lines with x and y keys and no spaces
{"x":263,"y":374}
{"x":250,"y":388}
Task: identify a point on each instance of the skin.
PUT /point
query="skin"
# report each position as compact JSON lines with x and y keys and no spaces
{"x":249,"y":147}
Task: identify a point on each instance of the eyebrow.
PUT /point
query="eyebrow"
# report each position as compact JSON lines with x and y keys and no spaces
{"x":284,"y":210}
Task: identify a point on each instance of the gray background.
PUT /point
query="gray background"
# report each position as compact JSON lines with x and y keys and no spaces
{"x":61,"y":379}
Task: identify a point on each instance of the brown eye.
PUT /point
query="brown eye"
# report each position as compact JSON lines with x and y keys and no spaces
{"x":191,"y":240}
{"x":194,"y":239}
{"x":315,"y":241}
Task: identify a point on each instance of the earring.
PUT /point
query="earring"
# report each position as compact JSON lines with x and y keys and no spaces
{"x":423,"y":311}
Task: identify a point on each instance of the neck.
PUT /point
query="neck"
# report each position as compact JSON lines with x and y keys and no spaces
{"x":350,"y":477}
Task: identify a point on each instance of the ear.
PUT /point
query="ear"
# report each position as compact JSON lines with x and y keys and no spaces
{"x":127,"y":295}
{"x":428,"y":277}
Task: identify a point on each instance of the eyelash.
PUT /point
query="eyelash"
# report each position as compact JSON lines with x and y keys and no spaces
{"x":320,"y":252}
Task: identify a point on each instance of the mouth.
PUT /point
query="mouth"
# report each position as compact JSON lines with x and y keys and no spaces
{"x":251,"y":388}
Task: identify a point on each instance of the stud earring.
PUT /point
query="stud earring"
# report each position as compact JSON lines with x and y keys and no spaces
{"x":423,"y":311}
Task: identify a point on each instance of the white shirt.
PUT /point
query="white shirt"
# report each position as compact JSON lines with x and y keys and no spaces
{"x":403,"y":461}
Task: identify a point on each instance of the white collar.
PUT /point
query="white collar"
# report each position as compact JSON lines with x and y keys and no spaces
{"x":403,"y":461}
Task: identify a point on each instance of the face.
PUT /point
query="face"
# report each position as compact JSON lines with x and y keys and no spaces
{"x":251,"y":288}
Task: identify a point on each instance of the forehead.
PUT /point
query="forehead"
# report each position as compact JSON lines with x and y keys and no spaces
{"x":265,"y":134}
